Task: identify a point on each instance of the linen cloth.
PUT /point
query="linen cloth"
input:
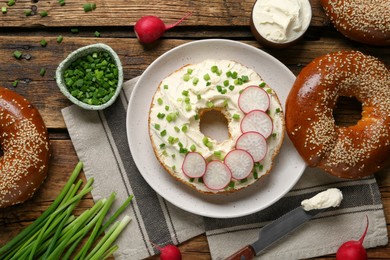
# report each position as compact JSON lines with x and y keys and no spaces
{"x":100,"y":141}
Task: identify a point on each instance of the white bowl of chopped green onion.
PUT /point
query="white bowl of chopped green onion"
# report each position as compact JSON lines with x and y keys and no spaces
{"x":91,"y":76}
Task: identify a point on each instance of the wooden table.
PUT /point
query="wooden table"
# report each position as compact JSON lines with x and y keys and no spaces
{"x":114,"y":19}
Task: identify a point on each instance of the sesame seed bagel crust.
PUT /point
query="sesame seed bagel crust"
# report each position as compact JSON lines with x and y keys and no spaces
{"x":25,"y":145}
{"x":347,"y":152}
{"x":365,"y":21}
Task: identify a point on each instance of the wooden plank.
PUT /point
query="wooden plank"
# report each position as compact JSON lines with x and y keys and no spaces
{"x":127,"y":12}
{"x":135,"y":57}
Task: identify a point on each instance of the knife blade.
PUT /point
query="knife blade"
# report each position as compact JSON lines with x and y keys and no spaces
{"x":274,"y":231}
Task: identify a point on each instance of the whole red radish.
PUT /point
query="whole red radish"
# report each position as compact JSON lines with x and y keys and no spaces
{"x":168,"y":252}
{"x":353,"y":250}
{"x":150,"y":28}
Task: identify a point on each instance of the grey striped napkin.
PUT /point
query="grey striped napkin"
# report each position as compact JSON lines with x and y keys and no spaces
{"x":99,"y":138}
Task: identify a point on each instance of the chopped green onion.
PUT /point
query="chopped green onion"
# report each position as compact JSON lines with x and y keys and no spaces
{"x":189,"y":71}
{"x":234,"y":75}
{"x":210,"y":104}
{"x":89,"y":7}
{"x":274,"y":135}
{"x":28,"y":12}
{"x":74,"y":30}
{"x":11,"y":2}
{"x":244,"y":78}
{"x":4,"y":9}
{"x":231,"y":87}
{"x":165,"y":86}
{"x":163,"y":133}
{"x":184,"y":128}
{"x":15,"y":83}
{"x":196,"y":117}
{"x":157,"y":126}
{"x":160,"y":101}
{"x":226,"y":83}
{"x":43,"y":13}
{"x":193,"y":148}
{"x":199,"y":97}
{"x":166,"y":108}
{"x":93,"y":78}
{"x":231,"y":184}
{"x":17,"y":54}
{"x":208,"y":83}
{"x":97,"y":34}
{"x":269,"y":91}
{"x":59,"y":38}
{"x":61,"y":2}
{"x":160,"y":115}
{"x":185,"y":93}
{"x":195,"y":81}
{"x":262,"y":84}
{"x":162,"y":146}
{"x":236,"y":116}
{"x":277,"y":110}
{"x":206,"y":77}
{"x":171,"y":117}
{"x":214,"y":69}
{"x":186,"y":77}
{"x":177,"y":129}
{"x":42,"y":72}
{"x":43,"y":43}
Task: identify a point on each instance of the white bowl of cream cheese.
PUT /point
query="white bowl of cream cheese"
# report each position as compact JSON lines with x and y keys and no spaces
{"x":280,"y":23}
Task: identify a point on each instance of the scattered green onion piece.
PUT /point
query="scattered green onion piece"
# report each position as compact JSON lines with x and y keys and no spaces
{"x":234,"y":75}
{"x":262,"y":85}
{"x":269,"y":91}
{"x":189,"y":71}
{"x":15,"y":83}
{"x":196,"y":117}
{"x":208,"y":83}
{"x":177,"y":129}
{"x":59,"y":38}
{"x":214,"y":69}
{"x":226,"y":83}
{"x":231,"y":87}
{"x":160,"y":115}
{"x":160,"y":101}
{"x":162,"y":146}
{"x":163,"y":133}
{"x":185,"y":93}
{"x":195,"y":81}
{"x":186,"y":77}
{"x":43,"y":43}
{"x":42,"y":72}
{"x":206,"y":77}
{"x":17,"y":54}
{"x":193,"y":148}
{"x":43,"y":13}
{"x":277,"y":110}
{"x":89,"y":7}
{"x":165,"y":86}
{"x":11,"y":2}
{"x":97,"y":34}
{"x":4,"y":9}
{"x":184,"y":128}
{"x":244,"y":78}
{"x":166,"y":108}
{"x":28,"y":12}
{"x":199,"y":97}
{"x":231,"y":184}
{"x":210,"y":104}
{"x":236,"y":116}
{"x":157,"y":126}
{"x":274,"y":135}
{"x":74,"y":30}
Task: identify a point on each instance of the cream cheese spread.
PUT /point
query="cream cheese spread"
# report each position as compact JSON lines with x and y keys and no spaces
{"x":281,"y":21}
{"x":174,"y":118}
{"x":326,"y":199}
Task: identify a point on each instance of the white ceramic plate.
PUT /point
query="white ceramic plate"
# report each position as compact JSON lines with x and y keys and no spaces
{"x":287,"y":168}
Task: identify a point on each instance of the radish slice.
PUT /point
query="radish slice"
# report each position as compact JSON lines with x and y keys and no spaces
{"x":253,"y":98}
{"x":257,"y":121}
{"x":254,"y":143}
{"x":217,"y":175}
{"x":240,"y":163}
{"x":194,"y":165}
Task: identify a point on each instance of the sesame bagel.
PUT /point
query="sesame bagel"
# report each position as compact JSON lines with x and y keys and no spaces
{"x":209,"y":166}
{"x":25,"y":146}
{"x":344,"y":151}
{"x":365,"y":21}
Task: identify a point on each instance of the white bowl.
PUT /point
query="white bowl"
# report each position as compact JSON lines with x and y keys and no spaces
{"x":81,"y":52}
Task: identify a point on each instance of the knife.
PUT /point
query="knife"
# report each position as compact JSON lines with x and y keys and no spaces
{"x":274,"y":231}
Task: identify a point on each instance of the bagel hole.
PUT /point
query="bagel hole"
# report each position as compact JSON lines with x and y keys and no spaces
{"x":214,"y":124}
{"x":347,"y":112}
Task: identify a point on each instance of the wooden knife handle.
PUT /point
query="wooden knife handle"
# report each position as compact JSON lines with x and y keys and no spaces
{"x":245,"y":253}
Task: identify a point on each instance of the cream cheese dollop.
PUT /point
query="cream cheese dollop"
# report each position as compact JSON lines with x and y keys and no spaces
{"x":326,"y":199}
{"x":281,"y":21}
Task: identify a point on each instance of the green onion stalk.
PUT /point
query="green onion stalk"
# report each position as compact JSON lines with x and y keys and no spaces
{"x":57,"y":233}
